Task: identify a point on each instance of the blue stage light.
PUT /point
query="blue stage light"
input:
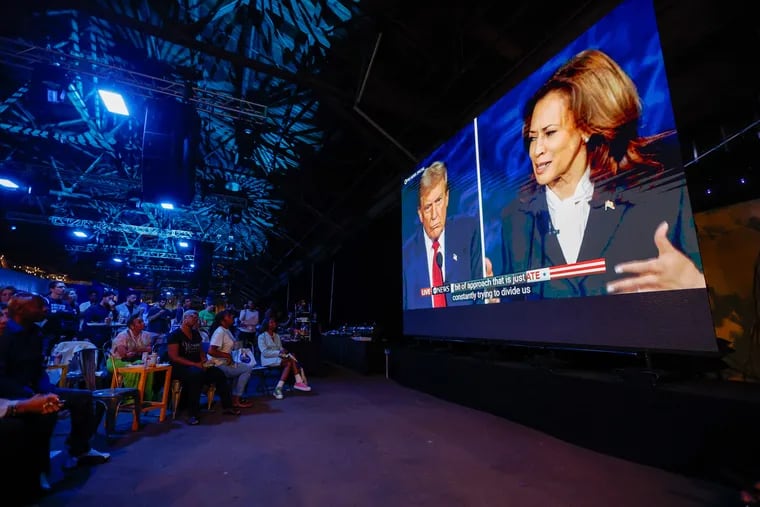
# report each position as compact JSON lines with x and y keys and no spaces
{"x":184,"y":244}
{"x":118,"y":259}
{"x":80,"y":234}
{"x":114,"y":102}
{"x":167,"y":205}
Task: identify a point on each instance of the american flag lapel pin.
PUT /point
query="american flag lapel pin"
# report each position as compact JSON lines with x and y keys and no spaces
{"x":454,"y":256}
{"x":609,"y":205}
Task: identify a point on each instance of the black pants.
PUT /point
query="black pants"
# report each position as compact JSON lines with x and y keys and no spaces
{"x":25,"y":445}
{"x":85,"y":418}
{"x":193,"y":379}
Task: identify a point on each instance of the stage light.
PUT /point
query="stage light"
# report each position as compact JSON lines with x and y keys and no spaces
{"x":232,"y":186}
{"x":114,"y":102}
{"x":136,"y":273}
{"x":167,"y":205}
{"x":742,"y":181}
{"x":9,"y":184}
{"x":13,"y":227}
{"x":708,"y":191}
{"x":184,"y":244}
{"x":192,"y":265}
{"x":79,"y":234}
{"x":118,"y":260}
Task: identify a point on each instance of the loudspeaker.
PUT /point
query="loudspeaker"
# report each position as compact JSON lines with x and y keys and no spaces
{"x":171,"y":137}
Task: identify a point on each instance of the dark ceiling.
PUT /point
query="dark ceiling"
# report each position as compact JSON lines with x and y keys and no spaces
{"x":311,"y":113}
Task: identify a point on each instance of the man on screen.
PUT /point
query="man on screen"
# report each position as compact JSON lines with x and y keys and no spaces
{"x":443,"y":250}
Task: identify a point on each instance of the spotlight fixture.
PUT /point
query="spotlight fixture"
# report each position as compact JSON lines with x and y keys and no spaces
{"x":79,"y":234}
{"x":167,"y":205}
{"x":114,"y":102}
{"x":9,"y":184}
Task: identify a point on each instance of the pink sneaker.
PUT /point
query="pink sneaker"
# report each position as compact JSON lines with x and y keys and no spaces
{"x":300,"y":386}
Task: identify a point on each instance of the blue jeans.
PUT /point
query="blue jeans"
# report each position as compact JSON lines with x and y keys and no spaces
{"x":241,"y":372}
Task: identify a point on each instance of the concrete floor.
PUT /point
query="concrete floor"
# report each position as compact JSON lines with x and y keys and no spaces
{"x":363,"y":441}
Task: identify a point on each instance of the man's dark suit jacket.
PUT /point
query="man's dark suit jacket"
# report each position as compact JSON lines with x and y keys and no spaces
{"x":463,"y":261}
{"x":625,"y":233}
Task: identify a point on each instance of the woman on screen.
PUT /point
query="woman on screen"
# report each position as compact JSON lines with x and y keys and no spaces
{"x":600,"y":191}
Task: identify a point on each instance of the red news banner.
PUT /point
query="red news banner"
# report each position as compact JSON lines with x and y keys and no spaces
{"x":514,"y":284}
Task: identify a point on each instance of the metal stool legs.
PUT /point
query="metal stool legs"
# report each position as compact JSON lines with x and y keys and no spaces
{"x":176,"y":393}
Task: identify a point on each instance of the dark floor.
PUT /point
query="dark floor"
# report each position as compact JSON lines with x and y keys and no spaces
{"x":364,"y":441}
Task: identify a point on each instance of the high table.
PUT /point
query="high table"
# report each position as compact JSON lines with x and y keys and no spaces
{"x":362,"y":354}
{"x":143,"y":370}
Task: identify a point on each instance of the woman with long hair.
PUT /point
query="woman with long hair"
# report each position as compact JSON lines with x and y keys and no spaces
{"x":599,"y":189}
{"x":274,"y":354}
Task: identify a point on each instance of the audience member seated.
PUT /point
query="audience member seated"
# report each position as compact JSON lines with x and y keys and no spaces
{"x":220,"y":352}
{"x":22,"y":373}
{"x":26,"y":426}
{"x":273,"y":354}
{"x":6,"y":293}
{"x":25,"y":432}
{"x":188,"y":366}
{"x":127,"y":347}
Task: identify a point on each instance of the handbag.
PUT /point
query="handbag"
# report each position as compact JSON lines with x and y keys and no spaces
{"x":245,"y":356}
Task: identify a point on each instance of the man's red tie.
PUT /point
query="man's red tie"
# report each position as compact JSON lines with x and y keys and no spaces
{"x":439,"y":300}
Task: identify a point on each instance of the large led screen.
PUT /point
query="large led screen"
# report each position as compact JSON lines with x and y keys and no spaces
{"x":560,"y":215}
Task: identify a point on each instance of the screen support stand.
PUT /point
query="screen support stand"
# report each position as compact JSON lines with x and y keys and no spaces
{"x":648,"y":361}
{"x":646,"y":376}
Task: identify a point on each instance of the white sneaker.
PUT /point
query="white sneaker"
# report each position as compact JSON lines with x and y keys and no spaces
{"x":93,"y":456}
{"x":277,"y":393}
{"x":44,"y":483}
